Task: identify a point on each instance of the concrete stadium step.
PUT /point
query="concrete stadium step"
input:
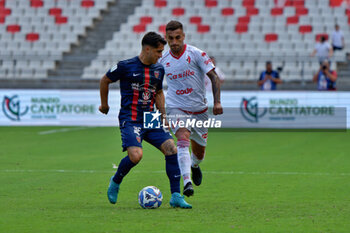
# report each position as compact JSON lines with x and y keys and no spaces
{"x":73,"y":63}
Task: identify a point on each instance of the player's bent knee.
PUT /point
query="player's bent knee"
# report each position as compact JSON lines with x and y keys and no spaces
{"x":183,"y":134}
{"x":135,"y":154}
{"x":168,"y":147}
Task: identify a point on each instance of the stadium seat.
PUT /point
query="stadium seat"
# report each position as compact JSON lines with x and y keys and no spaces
{"x":272,"y":37}
{"x":139,"y":28}
{"x":211,"y":3}
{"x":61,"y":20}
{"x":305,"y":29}
{"x":160,"y":3}
{"x":13,"y":28}
{"x":228,"y":11}
{"x":241,"y":28}
{"x":55,"y":11}
{"x":276,"y":11}
{"x":178,"y":11}
{"x":87,"y":3}
{"x":293,"y":20}
{"x":32,"y":37}
{"x":36,"y":3}
{"x":318,"y":36}
{"x":203,"y":28}
{"x":196,"y":20}
{"x":146,"y":20}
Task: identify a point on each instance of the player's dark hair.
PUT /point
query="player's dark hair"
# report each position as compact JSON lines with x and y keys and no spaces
{"x":153,"y":39}
{"x":173,"y":25}
{"x":323,"y":39}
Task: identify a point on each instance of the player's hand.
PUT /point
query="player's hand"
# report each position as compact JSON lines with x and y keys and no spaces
{"x":217,"y":110}
{"x":104,"y":109}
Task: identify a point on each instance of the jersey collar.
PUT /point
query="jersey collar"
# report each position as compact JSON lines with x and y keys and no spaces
{"x":178,"y":57}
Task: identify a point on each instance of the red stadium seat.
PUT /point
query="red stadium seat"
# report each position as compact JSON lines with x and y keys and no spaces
{"x":2,"y":20}
{"x":61,"y":20}
{"x":289,"y":3}
{"x":335,"y":3}
{"x":347,"y":12}
{"x":248,"y":3}
{"x":305,"y":29}
{"x":298,"y":3}
{"x":252,"y":11}
{"x":162,"y":28}
{"x":13,"y":28}
{"x":276,"y":11}
{"x":55,"y":11}
{"x":318,"y":36}
{"x":241,"y":28}
{"x":293,"y":20}
{"x":196,"y":19}
{"x":32,"y":37}
{"x":87,"y":3}
{"x":2,"y":3}
{"x":211,"y":3}
{"x":203,"y":28}
{"x":36,"y":3}
{"x":5,"y":12}
{"x":146,"y":20}
{"x":178,"y":11}
{"x":301,"y":11}
{"x":244,"y":20}
{"x":139,"y":28}
{"x":227,"y":11}
{"x":272,"y":37}
{"x":160,"y":3}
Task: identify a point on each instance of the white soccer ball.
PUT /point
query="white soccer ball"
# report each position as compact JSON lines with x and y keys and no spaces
{"x":150,"y":197}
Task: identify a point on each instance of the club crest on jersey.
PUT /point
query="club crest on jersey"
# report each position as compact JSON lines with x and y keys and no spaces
{"x":146,"y":95}
{"x":156,"y":74}
{"x":188,"y":59}
{"x":167,"y":64}
{"x":138,"y":139}
{"x":204,"y":54}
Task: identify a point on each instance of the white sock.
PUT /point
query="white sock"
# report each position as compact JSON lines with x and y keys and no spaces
{"x":195,"y":160}
{"x":184,"y":158}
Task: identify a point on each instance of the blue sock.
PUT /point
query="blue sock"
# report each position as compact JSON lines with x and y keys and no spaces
{"x":124,"y":167}
{"x":173,"y":172}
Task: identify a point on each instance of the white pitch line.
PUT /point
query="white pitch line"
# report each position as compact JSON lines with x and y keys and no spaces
{"x":62,"y":130}
{"x":163,"y":171}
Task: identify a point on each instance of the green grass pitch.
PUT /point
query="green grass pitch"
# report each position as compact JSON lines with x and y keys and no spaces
{"x":56,"y":181}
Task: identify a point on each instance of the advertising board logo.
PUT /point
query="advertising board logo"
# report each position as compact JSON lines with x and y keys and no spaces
{"x":151,"y":120}
{"x":250,"y":109}
{"x":11,"y":106}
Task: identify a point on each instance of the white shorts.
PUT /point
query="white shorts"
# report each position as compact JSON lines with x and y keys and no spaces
{"x":198,"y":134}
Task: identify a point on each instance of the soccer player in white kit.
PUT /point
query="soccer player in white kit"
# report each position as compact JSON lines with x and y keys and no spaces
{"x":185,"y":69}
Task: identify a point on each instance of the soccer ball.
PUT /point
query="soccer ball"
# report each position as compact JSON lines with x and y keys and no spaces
{"x":150,"y":197}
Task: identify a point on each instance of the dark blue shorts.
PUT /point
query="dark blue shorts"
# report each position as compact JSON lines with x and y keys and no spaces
{"x":133,"y":134}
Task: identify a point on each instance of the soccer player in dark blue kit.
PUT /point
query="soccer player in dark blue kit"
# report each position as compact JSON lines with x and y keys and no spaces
{"x":141,"y":86}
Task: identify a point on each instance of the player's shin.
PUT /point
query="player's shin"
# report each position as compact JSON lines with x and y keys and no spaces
{"x":124,"y":167}
{"x":195,"y":160}
{"x":184,"y":159}
{"x":173,"y":172}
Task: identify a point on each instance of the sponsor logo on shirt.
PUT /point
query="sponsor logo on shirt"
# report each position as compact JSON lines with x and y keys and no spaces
{"x":184,"y":92}
{"x":181,"y":75}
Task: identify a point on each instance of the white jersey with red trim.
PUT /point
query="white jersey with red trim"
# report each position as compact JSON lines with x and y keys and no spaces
{"x":185,"y":76}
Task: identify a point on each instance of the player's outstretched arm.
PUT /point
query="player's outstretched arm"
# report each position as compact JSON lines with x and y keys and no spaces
{"x":104,"y":89}
{"x":215,"y":81}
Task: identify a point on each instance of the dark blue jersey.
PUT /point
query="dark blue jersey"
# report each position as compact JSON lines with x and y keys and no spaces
{"x":269,"y":85}
{"x":138,"y":86}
